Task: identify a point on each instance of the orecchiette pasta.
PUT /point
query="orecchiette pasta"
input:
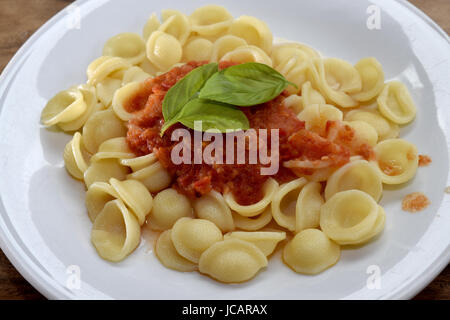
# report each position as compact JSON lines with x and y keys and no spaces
{"x":154,"y":177}
{"x":191,"y":237}
{"x":385,"y":128}
{"x":210,"y":20}
{"x":311,"y":96}
{"x":92,"y":106}
{"x":163,"y":50}
{"x":317,"y":115}
{"x":121,"y":97}
{"x":253,"y":31}
{"x":311,"y":252}
{"x":75,"y":157}
{"x":197,"y":49}
{"x":294,"y":102}
{"x":364,"y":131}
{"x":253,"y":223}
{"x":287,"y":56}
{"x":284,"y":203}
{"x":134,"y":74}
{"x":397,"y":160}
{"x":103,"y":170}
{"x":103,"y":67}
{"x":226,"y":44}
{"x":129,"y":46}
{"x":269,"y":189}
{"x":136,"y":197}
{"x":372,"y":79}
{"x":168,"y":207}
{"x":349,"y":217}
{"x":64,"y":107}
{"x":266,"y":241}
{"x":102,"y":126}
{"x":213,"y":207}
{"x":307,"y":209}
{"x":232,"y":261}
{"x":115,"y":148}
{"x":176,"y":24}
{"x":97,"y":196}
{"x":246,"y":54}
{"x":342,"y":76}
{"x":360,"y":174}
{"x":105,"y":90}
{"x":396,"y":104}
{"x":116,"y":232}
{"x":151,"y":25}
{"x":168,"y":255}
{"x":139,"y":163}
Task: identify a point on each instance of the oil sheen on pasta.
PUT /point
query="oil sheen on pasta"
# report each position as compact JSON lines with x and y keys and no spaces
{"x":243,"y":180}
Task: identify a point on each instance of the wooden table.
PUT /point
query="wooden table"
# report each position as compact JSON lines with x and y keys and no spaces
{"x":20,"y":18}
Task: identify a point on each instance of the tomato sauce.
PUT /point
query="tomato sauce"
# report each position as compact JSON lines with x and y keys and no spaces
{"x":415,"y":201}
{"x":243,"y":180}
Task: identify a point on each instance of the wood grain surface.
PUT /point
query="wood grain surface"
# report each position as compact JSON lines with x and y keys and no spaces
{"x":20,"y":18}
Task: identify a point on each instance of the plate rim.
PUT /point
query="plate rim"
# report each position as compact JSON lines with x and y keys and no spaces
{"x":44,"y":283}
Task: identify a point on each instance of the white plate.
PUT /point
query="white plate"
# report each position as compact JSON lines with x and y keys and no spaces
{"x":44,"y":228}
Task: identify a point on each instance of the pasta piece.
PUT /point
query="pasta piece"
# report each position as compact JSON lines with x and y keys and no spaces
{"x":307,"y":209}
{"x":65,"y":106}
{"x":191,"y":237}
{"x":102,"y":126}
{"x":372,"y":78}
{"x":325,"y":76}
{"x":168,"y":207}
{"x":342,"y":76}
{"x":176,"y":24}
{"x":151,"y":25}
{"x":266,"y":241}
{"x":198,"y":49}
{"x":316,"y":116}
{"x":139,"y":163}
{"x":359,"y":175}
{"x":253,"y":223}
{"x":106,"y":90}
{"x":397,"y":160}
{"x":269,"y":189}
{"x":75,"y":157}
{"x":154,"y":177}
{"x":149,"y":67}
{"x":121,"y":97}
{"x":285,"y":56}
{"x":284,"y":203}
{"x":311,"y":96}
{"x":134,"y":74}
{"x":168,"y":255}
{"x":349,"y":217}
{"x":103,"y":170}
{"x":210,"y":20}
{"x":396,"y":104}
{"x":127,"y":45}
{"x":103,"y":67}
{"x":163,"y":50}
{"x":385,"y":128}
{"x":254,"y":31}
{"x":246,"y":54}
{"x":97,"y":195}
{"x":311,"y":252}
{"x":294,"y":102}
{"x":213,"y":207}
{"x":135,"y":195}
{"x":364,"y":131}
{"x":116,"y":232}
{"x":297,"y":73}
{"x":232,"y":261}
{"x":115,"y":148}
{"x":92,"y":106}
{"x":224,"y":45}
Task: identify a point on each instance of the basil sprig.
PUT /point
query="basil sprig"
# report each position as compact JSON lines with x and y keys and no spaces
{"x":211,"y":96}
{"x":245,"y":85}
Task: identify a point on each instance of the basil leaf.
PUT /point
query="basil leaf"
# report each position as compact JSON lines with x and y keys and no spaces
{"x":213,"y":114}
{"x":244,"y":85}
{"x":185,"y":89}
